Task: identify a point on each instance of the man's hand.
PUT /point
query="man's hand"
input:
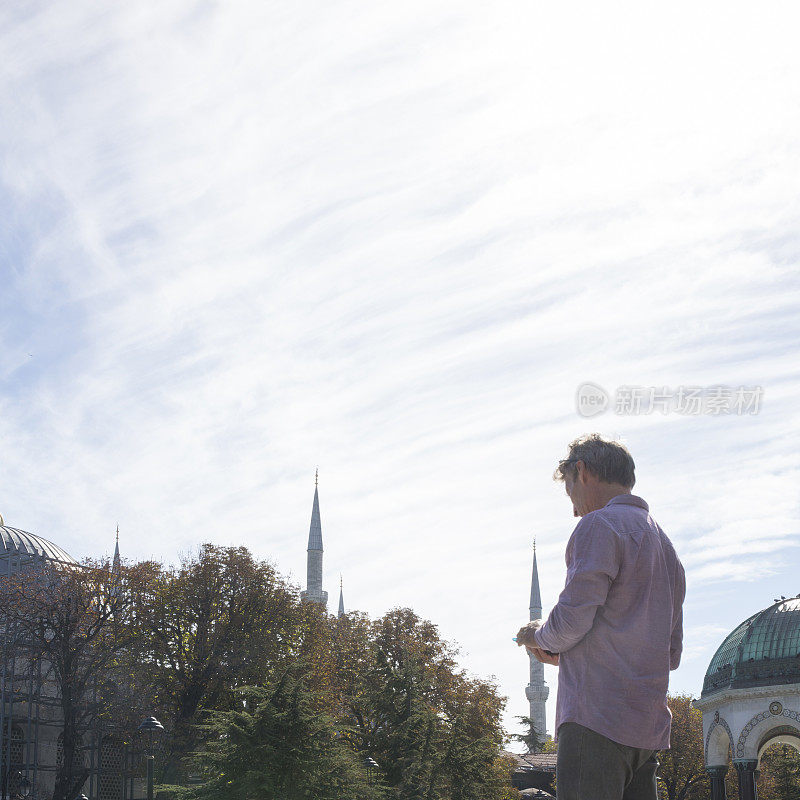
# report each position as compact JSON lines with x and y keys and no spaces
{"x":525,"y":633}
{"x":525,"y":637}
{"x":543,"y":656}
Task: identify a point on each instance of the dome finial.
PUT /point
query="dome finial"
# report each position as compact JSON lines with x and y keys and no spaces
{"x":316,"y":478}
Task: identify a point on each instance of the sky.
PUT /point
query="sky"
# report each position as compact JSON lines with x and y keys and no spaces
{"x":243,"y":240}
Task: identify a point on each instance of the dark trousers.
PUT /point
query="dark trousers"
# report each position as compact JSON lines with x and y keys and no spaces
{"x":592,"y":767}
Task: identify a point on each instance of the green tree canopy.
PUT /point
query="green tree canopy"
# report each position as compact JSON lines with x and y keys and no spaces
{"x":434,"y":731}
{"x":282,"y":745}
{"x":219,"y":621}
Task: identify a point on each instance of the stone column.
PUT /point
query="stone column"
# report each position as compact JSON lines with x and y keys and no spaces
{"x":747,"y":778}
{"x":717,"y":775}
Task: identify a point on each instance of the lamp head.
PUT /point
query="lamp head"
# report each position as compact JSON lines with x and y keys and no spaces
{"x":151,"y":724}
{"x":24,"y":787}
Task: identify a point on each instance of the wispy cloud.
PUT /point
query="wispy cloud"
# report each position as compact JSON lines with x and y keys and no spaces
{"x":241,"y":240}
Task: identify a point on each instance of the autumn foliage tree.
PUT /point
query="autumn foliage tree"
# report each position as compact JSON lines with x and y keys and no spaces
{"x":278,"y":697}
{"x":434,"y":731}
{"x":75,"y":622}
{"x":682,"y":775}
{"x":219,"y":621}
{"x":779,"y":777}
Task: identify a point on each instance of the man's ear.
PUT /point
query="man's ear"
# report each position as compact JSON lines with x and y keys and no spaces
{"x":582,"y":475}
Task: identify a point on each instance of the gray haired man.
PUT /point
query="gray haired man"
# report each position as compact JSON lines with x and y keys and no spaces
{"x":615,"y":633}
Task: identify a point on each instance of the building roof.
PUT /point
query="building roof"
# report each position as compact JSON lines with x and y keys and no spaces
{"x":540,"y":762}
{"x":17,"y":543}
{"x":763,"y":651}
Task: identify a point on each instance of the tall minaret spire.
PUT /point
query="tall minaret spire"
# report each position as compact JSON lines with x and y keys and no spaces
{"x":117,"y":561}
{"x":537,"y":691}
{"x":313,"y":592}
{"x":341,"y":598}
{"x":116,"y":568}
{"x":536,"y":595}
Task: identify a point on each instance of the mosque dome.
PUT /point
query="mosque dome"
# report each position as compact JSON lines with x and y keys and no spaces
{"x":763,"y":651}
{"x":18,"y":546}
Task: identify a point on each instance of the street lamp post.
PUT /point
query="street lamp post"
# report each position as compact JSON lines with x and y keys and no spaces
{"x":371,"y":766}
{"x":150,"y":726}
{"x":17,"y":785}
{"x":24,"y":787}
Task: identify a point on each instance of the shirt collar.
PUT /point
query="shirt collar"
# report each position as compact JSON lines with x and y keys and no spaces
{"x":628,"y":500}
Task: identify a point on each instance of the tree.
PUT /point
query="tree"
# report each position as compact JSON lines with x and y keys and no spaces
{"x":279,"y":698}
{"x":282,"y":745}
{"x":435,"y":732}
{"x":531,"y":738}
{"x":780,"y":773}
{"x":74,"y":623}
{"x":219,"y":621}
{"x":474,"y":767}
{"x":682,"y":775}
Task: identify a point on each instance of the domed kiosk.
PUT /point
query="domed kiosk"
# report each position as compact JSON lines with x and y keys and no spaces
{"x":751,"y":695}
{"x":29,"y":716}
{"x":20,"y":549}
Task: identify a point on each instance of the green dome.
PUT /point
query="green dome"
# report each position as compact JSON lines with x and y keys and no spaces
{"x":763,"y":651}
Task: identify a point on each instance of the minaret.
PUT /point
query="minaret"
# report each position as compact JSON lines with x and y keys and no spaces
{"x":116,"y":568}
{"x":537,"y":691}
{"x":117,"y":563}
{"x":313,"y":592}
{"x":340,"y":614}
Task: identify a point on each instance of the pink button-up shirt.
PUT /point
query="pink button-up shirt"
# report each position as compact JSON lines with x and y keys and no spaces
{"x":618,"y":625}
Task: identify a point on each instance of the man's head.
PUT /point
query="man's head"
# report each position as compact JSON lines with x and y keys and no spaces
{"x":595,"y":471}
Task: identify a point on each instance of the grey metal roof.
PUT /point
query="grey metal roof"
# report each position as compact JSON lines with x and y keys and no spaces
{"x":315,"y":532}
{"x":14,"y":542}
{"x":764,"y":650}
{"x":543,"y":762}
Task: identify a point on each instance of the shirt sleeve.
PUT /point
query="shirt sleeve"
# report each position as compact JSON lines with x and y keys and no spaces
{"x":594,"y":554}
{"x":676,"y":639}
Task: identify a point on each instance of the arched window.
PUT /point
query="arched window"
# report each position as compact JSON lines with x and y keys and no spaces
{"x":13,"y":759}
{"x":111,"y":780}
{"x":77,"y":756}
{"x":16,"y":750}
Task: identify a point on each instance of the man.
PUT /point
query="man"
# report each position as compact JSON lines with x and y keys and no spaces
{"x":615,"y":633}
